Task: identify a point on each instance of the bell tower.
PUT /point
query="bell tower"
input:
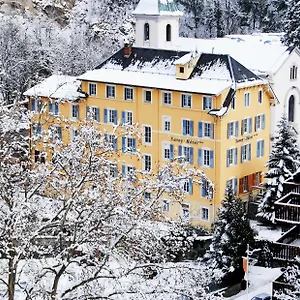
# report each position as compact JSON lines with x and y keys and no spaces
{"x":157,"y":24}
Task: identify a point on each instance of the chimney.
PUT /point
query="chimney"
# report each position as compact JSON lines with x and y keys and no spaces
{"x":127,"y":49}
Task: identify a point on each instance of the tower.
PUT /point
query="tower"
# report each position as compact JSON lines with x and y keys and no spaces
{"x":157,"y":24}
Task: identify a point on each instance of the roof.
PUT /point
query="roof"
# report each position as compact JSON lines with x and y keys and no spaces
{"x":155,"y":68}
{"x":157,"y":7}
{"x":57,"y":87}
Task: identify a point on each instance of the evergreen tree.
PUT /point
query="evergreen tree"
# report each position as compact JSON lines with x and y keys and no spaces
{"x":231,"y":235}
{"x":292,"y":24}
{"x":282,"y":163}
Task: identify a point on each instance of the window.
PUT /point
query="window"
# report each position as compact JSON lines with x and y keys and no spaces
{"x":147,"y":134}
{"x":166,"y":124}
{"x":92,"y":113}
{"x":232,"y":157}
{"x":259,"y":122}
{"x":260,"y":99}
{"x":112,"y":140}
{"x":185,"y":212}
{"x":147,"y":196}
{"x":146,"y":32}
{"x":36,"y":105}
{"x":147,"y":96}
{"x":166,"y":206}
{"x":110,"y":116}
{"x":186,"y":101}
{"x":128,"y":144}
{"x":128,"y":93}
{"x":206,"y":190}
{"x":260,"y":148}
{"x":233,"y":102}
{"x":92,"y":89}
{"x":181,"y":69}
{"x":246,"y":153}
{"x":39,"y":157}
{"x":247,"y":99}
{"x":291,"y":109}
{"x":246,"y":126}
{"x":187,"y":186}
{"x":168,"y":33}
{"x":127,"y":117}
{"x":56,"y":133}
{"x":75,"y":111}
{"x":113,"y":170}
{"x":233,"y":129}
{"x":233,"y":183}
{"x":53,"y":108}
{"x":168,"y":151}
{"x":167,"y":98}
{"x":204,"y":213}
{"x":206,"y":158}
{"x":129,"y":172}
{"x":245,"y":184}
{"x":110,"y":91}
{"x":257,"y":178}
{"x":147,"y":166}
{"x":206,"y":129}
{"x":187,"y":153}
{"x":74,"y":134}
{"x":36,"y":129}
{"x":188,"y":127}
{"x":293,"y":72}
{"x":207,"y":103}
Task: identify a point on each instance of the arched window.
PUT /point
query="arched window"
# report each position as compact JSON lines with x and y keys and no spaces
{"x":291,"y":109}
{"x":146,"y":31}
{"x":168,"y":33}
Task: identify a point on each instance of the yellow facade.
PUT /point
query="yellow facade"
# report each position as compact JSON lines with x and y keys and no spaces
{"x":154,"y":113}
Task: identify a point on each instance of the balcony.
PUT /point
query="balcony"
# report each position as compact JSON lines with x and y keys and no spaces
{"x":287,"y":208}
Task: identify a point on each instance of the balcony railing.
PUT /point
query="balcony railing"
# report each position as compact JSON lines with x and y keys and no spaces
{"x":285,"y":252}
{"x":287,"y":213}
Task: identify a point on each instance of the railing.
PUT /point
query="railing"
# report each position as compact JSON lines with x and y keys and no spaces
{"x":285,"y":252}
{"x":288,"y":188}
{"x":287,"y":213}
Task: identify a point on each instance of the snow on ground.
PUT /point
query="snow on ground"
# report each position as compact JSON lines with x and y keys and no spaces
{"x":266,"y":232}
{"x":260,"y":280}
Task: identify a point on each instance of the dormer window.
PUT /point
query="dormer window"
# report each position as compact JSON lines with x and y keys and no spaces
{"x":146,"y":32}
{"x":168,"y":33}
{"x":181,"y":70}
{"x":293,"y":72}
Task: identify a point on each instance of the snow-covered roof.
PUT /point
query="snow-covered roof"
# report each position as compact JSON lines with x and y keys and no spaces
{"x":253,"y":52}
{"x":57,"y":87}
{"x":157,"y":7}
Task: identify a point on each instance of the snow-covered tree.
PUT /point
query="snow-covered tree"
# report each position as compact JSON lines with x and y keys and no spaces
{"x":231,"y":235}
{"x":283,"y":162}
{"x":292,"y":24}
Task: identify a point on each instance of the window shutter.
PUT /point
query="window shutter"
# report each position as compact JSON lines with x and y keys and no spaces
{"x":56,"y":108}
{"x":250,"y":125}
{"x":115,"y":117}
{"x":76,"y":111}
{"x":200,"y":125}
{"x":133,"y":145}
{"x":242,"y":127}
{"x":184,"y":127}
{"x":105,"y":115}
{"x":211,"y":158}
{"x":123,"y":117}
{"x":199,"y":157}
{"x":191,"y":128}
{"x":59,"y":133}
{"x":171,"y":151}
{"x":39,"y":128}
{"x":191,"y":155}
{"x":98,"y":114}
{"x":242,"y":151}
{"x":32,"y":104}
{"x":180,"y":152}
{"x":258,"y":149}
{"x":236,"y":128}
{"x":235,"y":155}
{"x":105,"y":137}
{"x":249,"y":151}
{"x":203,"y":188}
{"x":107,"y":91}
{"x":241,"y":191}
{"x":255,"y":125}
{"x":211,"y":131}
{"x":115,"y":172}
{"x":235,"y":188}
{"x":87,"y":112}
{"x":39,"y":106}
{"x":190,"y":186}
{"x":263,"y":120}
{"x":123,"y":144}
{"x":123,"y":170}
{"x":228,"y":151}
{"x":228,"y":130}
{"x":50,"y":106}
{"x":262,"y":148}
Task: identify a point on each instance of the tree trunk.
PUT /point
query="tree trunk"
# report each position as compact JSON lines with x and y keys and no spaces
{"x":56,"y":281}
{"x":11,"y":276}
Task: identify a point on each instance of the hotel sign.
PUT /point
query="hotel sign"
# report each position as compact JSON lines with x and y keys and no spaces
{"x":185,"y":140}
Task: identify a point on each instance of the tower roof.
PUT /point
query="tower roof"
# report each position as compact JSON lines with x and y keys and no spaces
{"x":157,"y":7}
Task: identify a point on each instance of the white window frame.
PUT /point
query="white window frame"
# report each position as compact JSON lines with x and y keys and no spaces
{"x":233,"y":103}
{"x":166,"y":150}
{"x":128,"y":117}
{"x":144,"y":162}
{"x":169,"y":102}
{"x":112,"y":168}
{"x":72,"y":111}
{"x":259,"y":122}
{"x":188,"y":127}
{"x":145,"y":94}
{"x":145,"y":142}
{"x":166,"y":205}
{"x":185,"y":208}
{"x":231,"y":182}
{"x":293,"y":72}
{"x":187,"y":102}
{"x":113,"y":87}
{"x":231,"y":156}
{"x":247,"y":131}
{"x":260,"y":148}
{"x":206,"y":107}
{"x":166,"y":119}
{"x":92,"y":86}
{"x":247,"y":99}
{"x":245,"y":154}
{"x":52,"y":111}
{"x":74,"y":133}
{"x":92,"y":113}
{"x":125,"y":94}
{"x":206,"y":154}
{"x":205,"y":217}
{"x":206,"y":129}
{"x":232,"y":125}
{"x":110,"y":113}
{"x":260,"y":96}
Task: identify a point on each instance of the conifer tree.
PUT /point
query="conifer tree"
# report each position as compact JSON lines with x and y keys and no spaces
{"x":292,"y":24}
{"x":231,"y":235}
{"x":282,"y":163}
